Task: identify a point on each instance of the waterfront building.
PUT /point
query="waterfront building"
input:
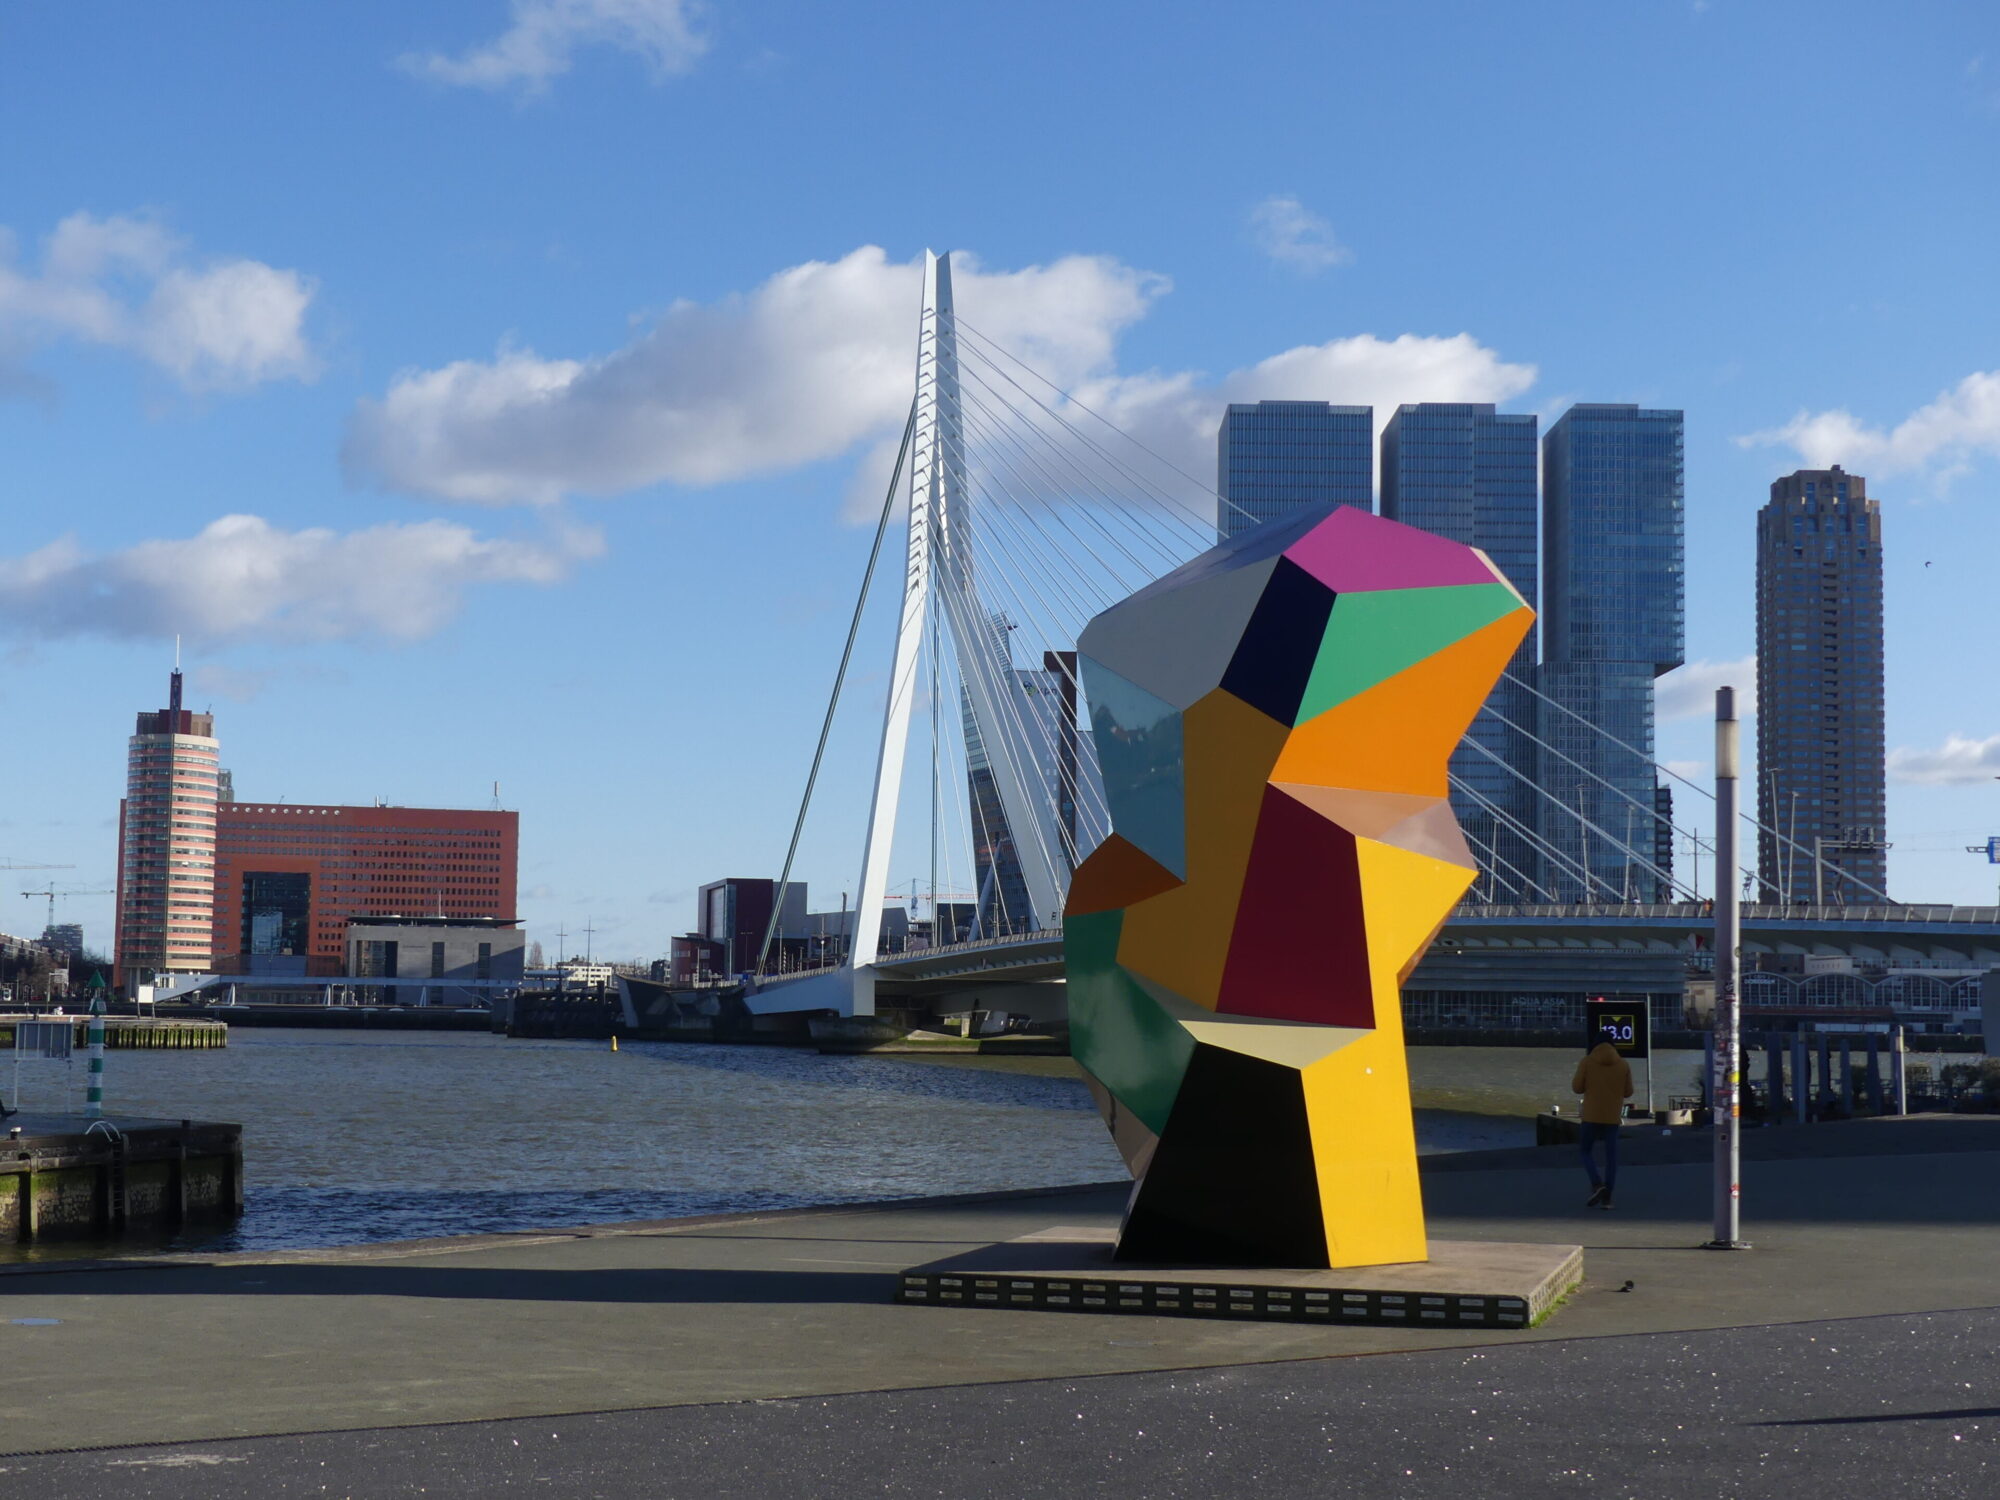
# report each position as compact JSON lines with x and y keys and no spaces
{"x":1466,"y":471}
{"x":429,"y":960}
{"x":692,"y":959}
{"x":166,"y":844}
{"x":289,"y":877}
{"x":1273,"y":457}
{"x":65,"y":938}
{"x":1821,"y":767}
{"x":733,"y":913}
{"x":1613,"y":583}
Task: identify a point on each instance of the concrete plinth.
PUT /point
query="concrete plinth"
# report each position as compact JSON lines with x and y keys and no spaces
{"x":1465,"y":1284}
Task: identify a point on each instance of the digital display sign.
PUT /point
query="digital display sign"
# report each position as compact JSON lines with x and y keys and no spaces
{"x":1623,"y":1023}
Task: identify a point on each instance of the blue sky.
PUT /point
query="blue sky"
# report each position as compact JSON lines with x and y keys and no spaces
{"x":546,"y":344}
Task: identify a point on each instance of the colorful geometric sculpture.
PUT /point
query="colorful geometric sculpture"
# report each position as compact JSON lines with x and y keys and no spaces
{"x":1273,"y":723}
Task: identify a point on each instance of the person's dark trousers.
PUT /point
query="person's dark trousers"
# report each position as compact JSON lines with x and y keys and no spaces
{"x":1587,"y":1137}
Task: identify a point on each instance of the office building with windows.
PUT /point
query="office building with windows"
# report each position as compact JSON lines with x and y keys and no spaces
{"x":166,"y":843}
{"x":1465,"y":471}
{"x":289,"y":878}
{"x":1613,"y":606}
{"x":434,"y":961}
{"x":1272,"y":457}
{"x":1821,"y":767}
{"x":732,"y":915}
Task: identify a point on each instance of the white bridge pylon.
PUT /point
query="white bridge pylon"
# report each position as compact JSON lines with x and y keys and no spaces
{"x":940,"y":569}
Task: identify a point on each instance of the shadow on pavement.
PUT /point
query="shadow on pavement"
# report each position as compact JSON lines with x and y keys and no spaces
{"x":871,"y":1284}
{"x":1962,"y":1413}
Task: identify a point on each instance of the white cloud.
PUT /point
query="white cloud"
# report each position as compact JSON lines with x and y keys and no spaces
{"x":1176,"y":415}
{"x":1959,"y":761}
{"x":127,"y":283}
{"x":241,"y":578}
{"x":1961,"y":424}
{"x":817,"y":363}
{"x":211,"y":680}
{"x":545,"y":33}
{"x":1688,"y":692}
{"x":1293,"y":235}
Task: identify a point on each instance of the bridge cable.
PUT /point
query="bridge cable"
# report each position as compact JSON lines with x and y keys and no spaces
{"x":1201,"y":485}
{"x":1616,"y":843}
{"x":1796,"y":847}
{"x":1535,"y":841}
{"x":1193,"y":520}
{"x":1653,"y":813}
{"x":839,"y":680}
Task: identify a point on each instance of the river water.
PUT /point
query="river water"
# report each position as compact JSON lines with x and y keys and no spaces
{"x":353,"y":1136}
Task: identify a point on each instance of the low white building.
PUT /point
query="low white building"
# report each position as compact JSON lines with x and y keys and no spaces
{"x":434,"y":960}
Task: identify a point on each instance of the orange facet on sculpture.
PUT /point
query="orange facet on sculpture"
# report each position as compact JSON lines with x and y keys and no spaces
{"x":1273,"y":722}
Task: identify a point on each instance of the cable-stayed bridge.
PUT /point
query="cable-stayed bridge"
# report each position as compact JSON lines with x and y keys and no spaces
{"x":1025,"y":510}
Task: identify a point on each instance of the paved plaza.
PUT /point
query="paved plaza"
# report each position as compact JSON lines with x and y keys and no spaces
{"x":764,"y":1355}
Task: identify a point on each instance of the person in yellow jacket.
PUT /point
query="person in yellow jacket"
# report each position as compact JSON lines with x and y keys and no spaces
{"x":1605,"y":1081}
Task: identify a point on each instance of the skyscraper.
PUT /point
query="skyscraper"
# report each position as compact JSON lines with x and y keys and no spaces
{"x":1049,"y":736}
{"x":1820,"y":757}
{"x":1464,"y":471}
{"x":166,"y":843}
{"x":1274,"y":456}
{"x":1612,"y":620}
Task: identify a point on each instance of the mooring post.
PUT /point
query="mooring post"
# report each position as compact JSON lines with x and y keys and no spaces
{"x":1727,"y":1058}
{"x":93,"y":1099}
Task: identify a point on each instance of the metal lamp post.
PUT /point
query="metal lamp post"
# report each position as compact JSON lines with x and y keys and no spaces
{"x":1725,"y":1085}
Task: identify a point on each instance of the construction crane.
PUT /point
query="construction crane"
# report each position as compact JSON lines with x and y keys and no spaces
{"x":1991,"y":849}
{"x":50,"y":893}
{"x":8,"y":864}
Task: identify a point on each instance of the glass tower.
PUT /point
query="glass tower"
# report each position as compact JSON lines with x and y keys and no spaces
{"x":1274,"y":456}
{"x":1467,"y":472}
{"x":1612,"y":621}
{"x":1820,"y":756}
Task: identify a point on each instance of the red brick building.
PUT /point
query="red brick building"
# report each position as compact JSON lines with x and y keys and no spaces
{"x":288,"y":878}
